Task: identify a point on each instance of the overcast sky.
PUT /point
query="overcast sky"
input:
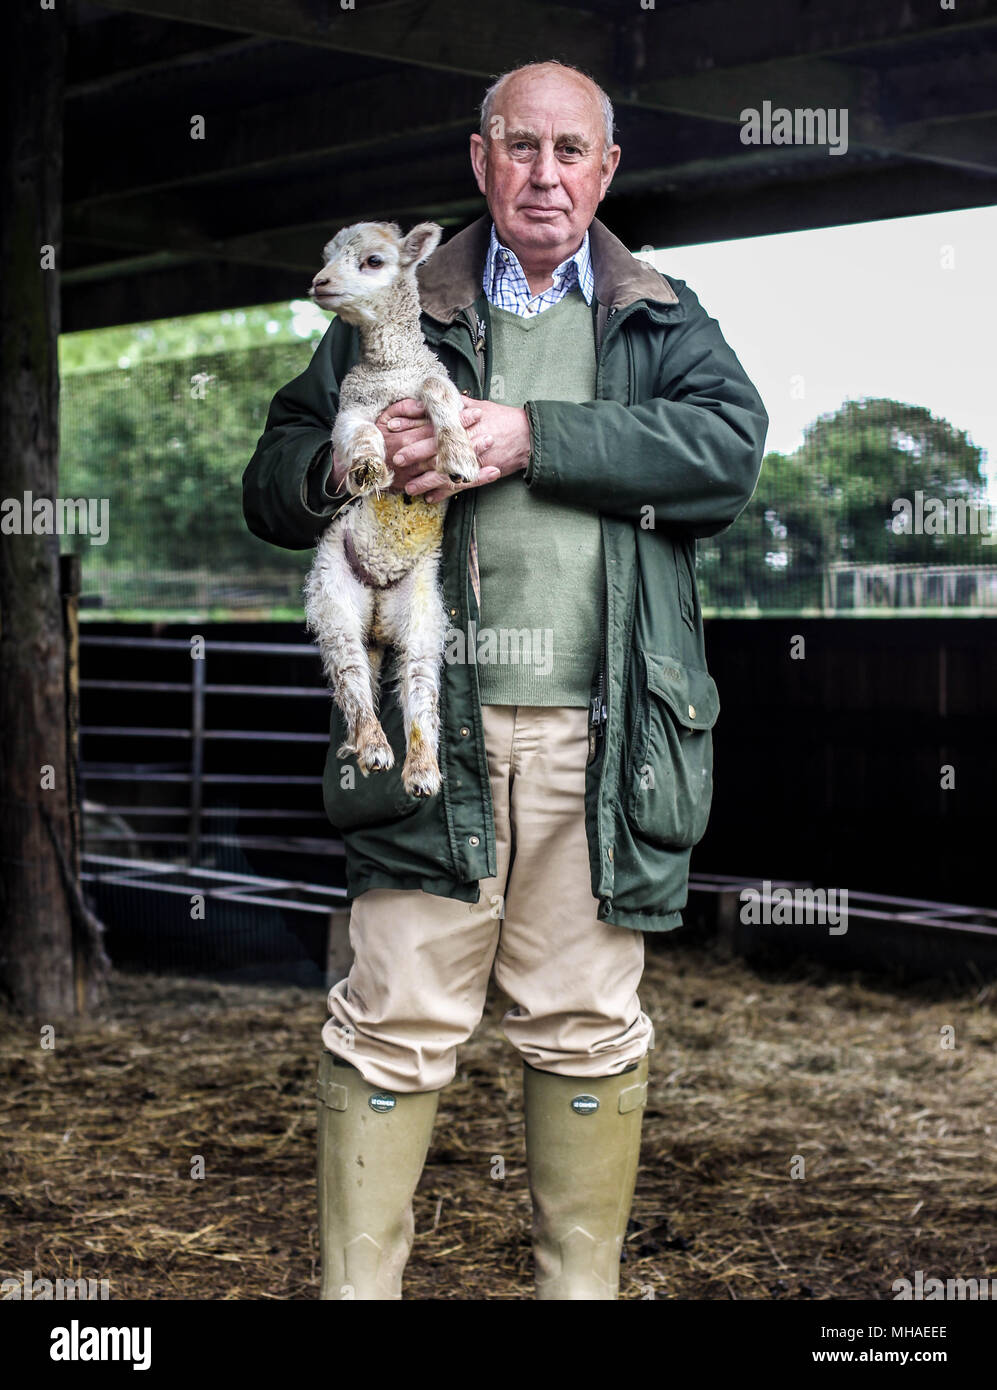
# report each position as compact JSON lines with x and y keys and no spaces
{"x":864,"y":310}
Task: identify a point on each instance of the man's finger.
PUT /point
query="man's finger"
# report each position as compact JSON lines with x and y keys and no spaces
{"x":406,"y":422}
{"x":394,"y":443}
{"x":417,"y":451}
{"x":480,"y":441}
{"x":409,"y":409}
{"x":487,"y":475}
{"x":434,"y":487}
{"x":425,"y":482}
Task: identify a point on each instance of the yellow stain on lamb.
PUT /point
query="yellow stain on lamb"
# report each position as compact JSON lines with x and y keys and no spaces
{"x":410,"y":528}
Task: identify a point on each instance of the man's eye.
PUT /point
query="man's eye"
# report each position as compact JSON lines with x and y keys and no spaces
{"x":374,"y":262}
{"x":570,"y":149}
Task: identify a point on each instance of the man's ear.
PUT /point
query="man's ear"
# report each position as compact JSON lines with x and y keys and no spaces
{"x":420,"y":243}
{"x":610,"y":160}
{"x":479,"y":162}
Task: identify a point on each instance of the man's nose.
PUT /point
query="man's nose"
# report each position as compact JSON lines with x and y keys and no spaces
{"x":545,"y":173}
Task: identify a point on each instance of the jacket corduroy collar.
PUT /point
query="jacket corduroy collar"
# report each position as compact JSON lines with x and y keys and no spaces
{"x":451,"y":279}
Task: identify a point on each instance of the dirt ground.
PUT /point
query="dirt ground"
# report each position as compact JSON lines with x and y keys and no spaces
{"x":752,"y":1071}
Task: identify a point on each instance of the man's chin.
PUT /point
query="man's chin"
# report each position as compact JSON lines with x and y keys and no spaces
{"x":541,"y":231}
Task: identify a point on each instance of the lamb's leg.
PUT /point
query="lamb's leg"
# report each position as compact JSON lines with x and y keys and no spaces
{"x":361,"y":446}
{"x":455,"y":456}
{"x":339,"y":610}
{"x":414,"y":615}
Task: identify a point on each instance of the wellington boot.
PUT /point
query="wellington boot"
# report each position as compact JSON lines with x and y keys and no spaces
{"x":582,"y":1148}
{"x":372,"y":1147}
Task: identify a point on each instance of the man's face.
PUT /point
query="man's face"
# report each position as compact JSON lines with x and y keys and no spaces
{"x":544,"y":171}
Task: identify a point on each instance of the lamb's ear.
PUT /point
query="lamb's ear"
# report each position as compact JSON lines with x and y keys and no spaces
{"x":420,"y":243}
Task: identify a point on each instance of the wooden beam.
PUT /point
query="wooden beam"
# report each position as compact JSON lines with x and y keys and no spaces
{"x":123,"y":49}
{"x":624,"y":49}
{"x":245,"y":223}
{"x":712,"y":35}
{"x":186,"y":287}
{"x":321,"y":124}
{"x":858,"y":195}
{"x":824,"y":86}
{"x":442,"y":34}
{"x":965,"y":84}
{"x":961,"y":144}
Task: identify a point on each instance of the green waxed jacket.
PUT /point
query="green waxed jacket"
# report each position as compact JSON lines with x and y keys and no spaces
{"x":670,"y":450}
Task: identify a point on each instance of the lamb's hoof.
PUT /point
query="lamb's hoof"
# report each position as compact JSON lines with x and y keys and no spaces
{"x":421,"y":780}
{"x":461,"y":464}
{"x":422,"y":784}
{"x":369,"y":474}
{"x":375,"y":756}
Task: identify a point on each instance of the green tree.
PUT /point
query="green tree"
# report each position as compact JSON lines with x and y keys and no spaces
{"x":870,"y":454}
{"x":166,"y":442}
{"x":833,"y":498}
{"x":192,"y":335}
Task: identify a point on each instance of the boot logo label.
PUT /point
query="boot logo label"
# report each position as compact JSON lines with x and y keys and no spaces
{"x":584,"y":1105}
{"x":381,"y":1102}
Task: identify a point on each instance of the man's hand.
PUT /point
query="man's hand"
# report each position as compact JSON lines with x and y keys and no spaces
{"x":499,"y":431}
{"x":506,"y":431}
{"x":405,"y":426}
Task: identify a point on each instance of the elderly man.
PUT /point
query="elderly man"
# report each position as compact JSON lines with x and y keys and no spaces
{"x":614,"y":425}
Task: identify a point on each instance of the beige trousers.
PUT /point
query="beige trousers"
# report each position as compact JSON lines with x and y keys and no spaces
{"x":422,"y":963}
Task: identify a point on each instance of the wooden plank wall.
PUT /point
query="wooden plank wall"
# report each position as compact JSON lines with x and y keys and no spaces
{"x":828,"y":766}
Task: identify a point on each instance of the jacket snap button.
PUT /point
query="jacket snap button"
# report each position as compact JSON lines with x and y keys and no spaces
{"x":692,"y":711}
{"x":464,"y":732}
{"x":453,"y":612}
{"x":610,"y":853}
{"x":473,"y":840}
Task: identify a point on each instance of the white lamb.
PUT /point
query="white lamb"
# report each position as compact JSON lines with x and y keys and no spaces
{"x":375,"y":578}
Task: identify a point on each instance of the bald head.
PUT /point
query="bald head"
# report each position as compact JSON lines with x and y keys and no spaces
{"x":551,"y":68}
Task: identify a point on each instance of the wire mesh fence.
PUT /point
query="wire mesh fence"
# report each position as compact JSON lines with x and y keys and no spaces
{"x":161,"y":446}
{"x":883,"y":508}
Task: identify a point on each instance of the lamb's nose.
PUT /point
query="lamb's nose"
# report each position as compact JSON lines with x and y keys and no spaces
{"x":320,"y":280}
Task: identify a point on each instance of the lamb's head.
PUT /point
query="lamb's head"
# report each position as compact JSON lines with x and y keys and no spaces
{"x":364,"y":265}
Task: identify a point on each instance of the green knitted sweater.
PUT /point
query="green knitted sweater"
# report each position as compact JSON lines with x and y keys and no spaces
{"x":539,"y":561}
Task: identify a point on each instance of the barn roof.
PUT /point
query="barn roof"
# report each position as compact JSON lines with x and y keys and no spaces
{"x":316,"y":116}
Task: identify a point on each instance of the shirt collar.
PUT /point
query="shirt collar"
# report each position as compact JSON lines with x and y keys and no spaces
{"x":501,"y":261}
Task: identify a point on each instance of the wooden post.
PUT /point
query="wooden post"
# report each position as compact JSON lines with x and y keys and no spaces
{"x":36,"y":888}
{"x":69,"y":584}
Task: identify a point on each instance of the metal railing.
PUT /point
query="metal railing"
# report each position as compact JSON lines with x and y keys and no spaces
{"x":858,"y":588}
{"x":191,"y":770}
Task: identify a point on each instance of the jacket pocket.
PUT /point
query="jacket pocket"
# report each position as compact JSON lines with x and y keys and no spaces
{"x":670,"y":779}
{"x":354,"y":802}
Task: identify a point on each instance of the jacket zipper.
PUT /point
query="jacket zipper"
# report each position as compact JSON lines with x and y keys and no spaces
{"x":599,"y":716}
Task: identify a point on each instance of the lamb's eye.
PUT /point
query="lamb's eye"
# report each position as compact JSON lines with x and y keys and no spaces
{"x":374,"y":262}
